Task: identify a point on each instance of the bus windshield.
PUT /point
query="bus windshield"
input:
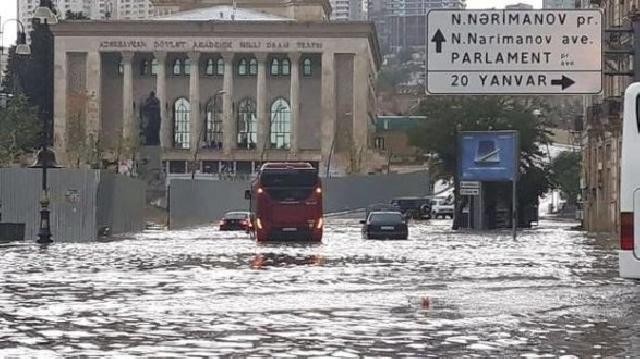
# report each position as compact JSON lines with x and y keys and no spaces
{"x":289,"y":179}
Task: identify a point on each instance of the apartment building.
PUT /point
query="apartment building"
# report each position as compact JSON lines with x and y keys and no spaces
{"x":347,"y":10}
{"x":602,"y":132}
{"x":402,"y":23}
{"x":95,"y":9}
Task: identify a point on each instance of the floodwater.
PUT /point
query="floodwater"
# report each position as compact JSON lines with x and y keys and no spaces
{"x":554,"y":292}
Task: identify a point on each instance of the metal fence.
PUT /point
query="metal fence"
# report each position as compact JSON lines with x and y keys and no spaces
{"x":82,"y":201}
{"x":198,"y":202}
{"x":348,"y":193}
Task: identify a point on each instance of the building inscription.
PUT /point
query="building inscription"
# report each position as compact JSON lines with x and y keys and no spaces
{"x":190,"y":45}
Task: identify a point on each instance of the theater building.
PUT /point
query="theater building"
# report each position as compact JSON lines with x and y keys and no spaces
{"x":219,"y":86}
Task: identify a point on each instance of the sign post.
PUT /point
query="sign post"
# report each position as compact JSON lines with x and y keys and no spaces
{"x":514,"y":51}
{"x":491,"y":156}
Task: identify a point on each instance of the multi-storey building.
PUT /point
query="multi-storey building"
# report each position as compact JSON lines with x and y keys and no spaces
{"x":561,"y":4}
{"x":220,"y":87}
{"x":4,"y":57}
{"x":346,"y":10}
{"x":94,"y":9}
{"x":402,"y":23}
{"x":602,"y":133}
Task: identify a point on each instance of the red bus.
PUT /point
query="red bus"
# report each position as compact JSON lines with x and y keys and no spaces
{"x":286,"y":202}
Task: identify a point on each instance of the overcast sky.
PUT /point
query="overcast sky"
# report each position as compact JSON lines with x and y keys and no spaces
{"x":8,"y":11}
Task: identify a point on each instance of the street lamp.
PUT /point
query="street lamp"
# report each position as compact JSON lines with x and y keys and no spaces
{"x":45,"y":159}
{"x":45,"y":14}
{"x":21,"y":43}
{"x":204,"y":125}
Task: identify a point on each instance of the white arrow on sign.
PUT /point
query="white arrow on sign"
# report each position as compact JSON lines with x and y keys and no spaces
{"x":469,"y":191}
{"x":514,"y":51}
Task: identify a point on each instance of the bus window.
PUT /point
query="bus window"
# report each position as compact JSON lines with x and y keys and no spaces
{"x":638,"y":112}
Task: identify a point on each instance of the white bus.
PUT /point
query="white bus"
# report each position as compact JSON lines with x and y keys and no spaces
{"x":629,"y":255}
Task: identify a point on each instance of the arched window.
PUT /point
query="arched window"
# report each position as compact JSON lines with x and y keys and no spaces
{"x":154,"y":67}
{"x":306,"y":67}
{"x":286,"y":67}
{"x":275,"y":67}
{"x":253,"y":66}
{"x":247,"y":125}
{"x":145,"y":67}
{"x":187,"y":66}
{"x":181,"y":123}
{"x":220,"y":67}
{"x":209,"y":70}
{"x":280,"y":125}
{"x":213,"y":134}
{"x":177,"y":67}
{"x":242,"y":67}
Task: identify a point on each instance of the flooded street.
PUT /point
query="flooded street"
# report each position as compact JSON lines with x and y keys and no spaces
{"x":554,"y":292}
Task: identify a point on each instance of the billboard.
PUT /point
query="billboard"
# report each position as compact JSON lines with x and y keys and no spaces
{"x":488,"y":156}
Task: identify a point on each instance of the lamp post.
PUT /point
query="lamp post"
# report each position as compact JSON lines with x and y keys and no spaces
{"x":22,"y":49}
{"x":45,"y":14}
{"x":46,"y":158}
{"x":204,"y":125}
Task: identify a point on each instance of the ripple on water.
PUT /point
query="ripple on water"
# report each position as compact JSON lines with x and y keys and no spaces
{"x":200,"y":292}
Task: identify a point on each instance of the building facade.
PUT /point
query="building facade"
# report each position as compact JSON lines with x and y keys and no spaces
{"x":403,"y":23}
{"x":602,"y":132}
{"x":94,"y":9}
{"x":561,"y":4}
{"x":347,"y":10}
{"x":4,"y":61}
{"x":218,"y":89}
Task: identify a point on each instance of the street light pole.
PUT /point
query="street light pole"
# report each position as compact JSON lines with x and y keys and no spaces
{"x":46,"y":158}
{"x":197,"y":149}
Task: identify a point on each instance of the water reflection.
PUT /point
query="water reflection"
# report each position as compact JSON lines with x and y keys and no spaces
{"x":263,"y":260}
{"x":199,"y":293}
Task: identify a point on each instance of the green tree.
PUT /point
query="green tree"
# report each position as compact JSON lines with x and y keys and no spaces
{"x":565,"y":175}
{"x":447,"y":115}
{"x":390,"y":77}
{"x":19,"y":130}
{"x":33,"y":75}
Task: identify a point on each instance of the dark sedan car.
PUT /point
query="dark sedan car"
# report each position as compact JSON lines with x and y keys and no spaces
{"x":385,"y":225}
{"x":235,"y":221}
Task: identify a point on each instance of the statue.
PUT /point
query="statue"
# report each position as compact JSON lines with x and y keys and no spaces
{"x":151,"y":120}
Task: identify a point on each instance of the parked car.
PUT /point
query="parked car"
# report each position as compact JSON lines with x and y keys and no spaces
{"x":381,"y":207}
{"x":236,"y":221}
{"x":385,"y":225}
{"x":441,"y":207}
{"x":413,"y":207}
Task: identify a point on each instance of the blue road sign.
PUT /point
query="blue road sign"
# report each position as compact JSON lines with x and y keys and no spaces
{"x":487,"y":156}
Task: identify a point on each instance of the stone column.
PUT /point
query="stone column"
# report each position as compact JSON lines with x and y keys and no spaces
{"x":129,"y":132}
{"x":60,"y":104}
{"x":328,"y":106}
{"x":166,"y":142}
{"x":194,"y":100}
{"x":94,"y":86}
{"x":294,"y":98}
{"x":228,"y":121}
{"x":264,"y":122}
{"x":360,"y":101}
